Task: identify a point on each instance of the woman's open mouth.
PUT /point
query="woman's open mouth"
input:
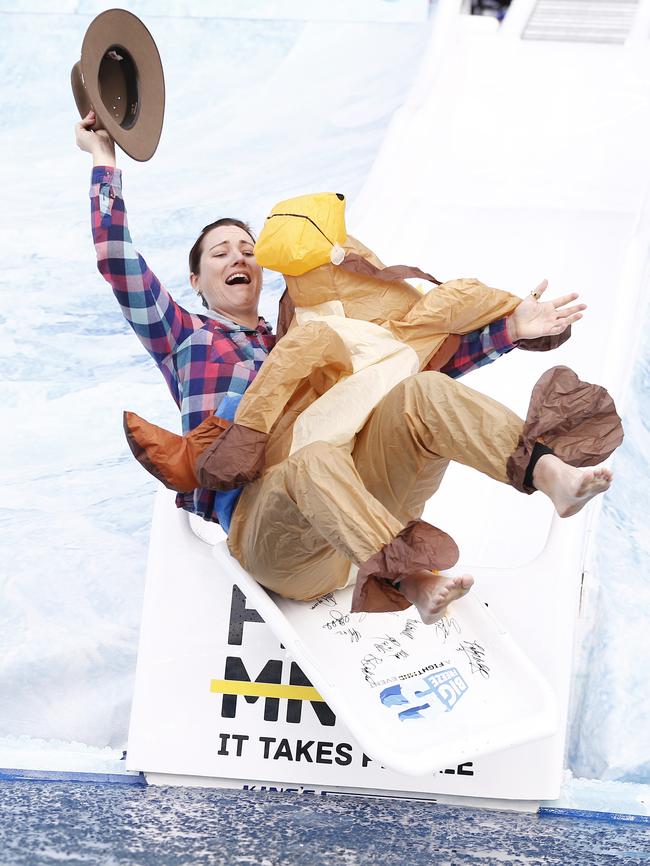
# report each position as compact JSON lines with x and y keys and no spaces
{"x":237,"y":278}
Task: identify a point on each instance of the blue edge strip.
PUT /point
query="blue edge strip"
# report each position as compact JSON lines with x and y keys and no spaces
{"x":584,"y":814}
{"x":61,"y":776}
{"x":140,"y":780}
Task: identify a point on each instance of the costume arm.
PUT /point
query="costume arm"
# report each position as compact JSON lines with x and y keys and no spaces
{"x":479,"y":348}
{"x":160,"y":323}
{"x":313,"y":350}
{"x":455,"y":307}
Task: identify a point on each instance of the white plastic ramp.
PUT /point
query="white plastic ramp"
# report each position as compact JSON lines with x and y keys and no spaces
{"x":414,"y":697}
{"x":230,"y":685}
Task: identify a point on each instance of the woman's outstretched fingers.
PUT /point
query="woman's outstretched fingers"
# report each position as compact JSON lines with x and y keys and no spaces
{"x":560,"y":304}
{"x":564,"y":299}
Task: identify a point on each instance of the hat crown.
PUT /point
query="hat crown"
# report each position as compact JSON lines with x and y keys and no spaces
{"x":118,"y":85}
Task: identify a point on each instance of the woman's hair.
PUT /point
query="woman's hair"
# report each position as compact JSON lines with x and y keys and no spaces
{"x":197,"y":249}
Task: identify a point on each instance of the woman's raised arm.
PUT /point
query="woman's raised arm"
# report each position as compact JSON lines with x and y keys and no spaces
{"x":159,"y":322}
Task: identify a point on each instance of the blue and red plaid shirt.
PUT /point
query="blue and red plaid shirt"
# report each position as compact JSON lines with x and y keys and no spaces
{"x":207,"y":360}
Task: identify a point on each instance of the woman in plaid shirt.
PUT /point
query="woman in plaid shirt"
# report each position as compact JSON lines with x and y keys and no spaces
{"x":209,"y":359}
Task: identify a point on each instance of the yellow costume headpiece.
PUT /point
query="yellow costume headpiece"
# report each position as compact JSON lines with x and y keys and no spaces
{"x":303,"y":233}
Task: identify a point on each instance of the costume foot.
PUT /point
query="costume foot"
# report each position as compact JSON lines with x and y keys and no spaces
{"x":431,"y":593}
{"x":569,"y":489}
{"x":418,"y":549}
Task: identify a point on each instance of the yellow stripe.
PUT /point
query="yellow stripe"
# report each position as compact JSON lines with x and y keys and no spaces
{"x":264,"y":690}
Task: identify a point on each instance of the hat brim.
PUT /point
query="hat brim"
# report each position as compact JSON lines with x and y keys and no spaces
{"x":139,"y":132}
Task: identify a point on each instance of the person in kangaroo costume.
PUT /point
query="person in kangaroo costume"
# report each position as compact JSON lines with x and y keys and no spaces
{"x":348,"y":428}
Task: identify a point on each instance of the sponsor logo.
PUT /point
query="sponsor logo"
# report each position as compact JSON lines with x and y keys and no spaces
{"x":447,"y":685}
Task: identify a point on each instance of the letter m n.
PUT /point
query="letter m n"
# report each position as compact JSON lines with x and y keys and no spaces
{"x":235,"y":670}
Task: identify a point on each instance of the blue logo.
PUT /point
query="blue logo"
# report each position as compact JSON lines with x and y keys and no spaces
{"x":392,"y":696}
{"x":413,"y":713}
{"x":447,"y":685}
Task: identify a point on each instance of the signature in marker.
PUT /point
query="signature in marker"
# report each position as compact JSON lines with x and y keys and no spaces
{"x":328,"y":600}
{"x":445,"y":626}
{"x":410,"y":628}
{"x":352,"y":633}
{"x":476,"y":656}
{"x":369,"y":664}
{"x":336,"y":620}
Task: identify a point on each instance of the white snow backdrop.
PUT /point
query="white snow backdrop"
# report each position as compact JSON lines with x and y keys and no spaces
{"x":257,"y":110}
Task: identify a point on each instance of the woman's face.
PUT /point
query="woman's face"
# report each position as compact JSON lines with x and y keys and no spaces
{"x":229,"y":278}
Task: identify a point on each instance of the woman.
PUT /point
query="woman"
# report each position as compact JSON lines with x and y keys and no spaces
{"x":209,"y":359}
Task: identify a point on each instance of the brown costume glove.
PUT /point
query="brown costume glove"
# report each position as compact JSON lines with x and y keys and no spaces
{"x":232,"y":460}
{"x":545,"y":344}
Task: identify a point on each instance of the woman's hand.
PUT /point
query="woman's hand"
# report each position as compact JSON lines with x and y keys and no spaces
{"x":98,"y":143}
{"x":532,"y":318}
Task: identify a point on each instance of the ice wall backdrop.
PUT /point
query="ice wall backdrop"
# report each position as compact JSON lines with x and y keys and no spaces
{"x":256,"y":110}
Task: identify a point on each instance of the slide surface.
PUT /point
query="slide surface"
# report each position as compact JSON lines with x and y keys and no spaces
{"x":474,"y":179}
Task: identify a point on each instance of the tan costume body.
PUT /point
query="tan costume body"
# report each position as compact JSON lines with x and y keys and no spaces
{"x":359,"y":437}
{"x":298,"y":527}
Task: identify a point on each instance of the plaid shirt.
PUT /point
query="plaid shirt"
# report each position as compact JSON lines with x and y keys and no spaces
{"x":207,"y":360}
{"x":479,"y":348}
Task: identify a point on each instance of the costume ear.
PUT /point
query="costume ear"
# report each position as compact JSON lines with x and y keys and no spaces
{"x":168,"y":457}
{"x":286,"y":309}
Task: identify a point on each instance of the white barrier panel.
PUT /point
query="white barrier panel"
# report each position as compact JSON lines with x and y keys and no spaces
{"x":218,"y":696}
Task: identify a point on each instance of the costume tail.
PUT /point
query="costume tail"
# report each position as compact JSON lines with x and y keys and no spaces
{"x":168,"y":457}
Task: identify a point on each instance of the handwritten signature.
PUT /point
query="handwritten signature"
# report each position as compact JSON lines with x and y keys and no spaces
{"x":476,"y":656}
{"x":352,"y":633}
{"x":410,"y":628}
{"x":327,"y":600}
{"x":336,"y":620}
{"x":445,"y":626}
{"x":369,"y":664}
{"x":388,"y":645}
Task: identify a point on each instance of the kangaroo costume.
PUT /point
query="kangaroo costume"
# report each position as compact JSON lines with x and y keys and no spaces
{"x":347,"y":429}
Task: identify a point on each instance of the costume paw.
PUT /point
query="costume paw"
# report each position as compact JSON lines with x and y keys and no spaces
{"x":235,"y":459}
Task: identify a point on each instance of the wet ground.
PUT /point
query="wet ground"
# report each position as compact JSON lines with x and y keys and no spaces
{"x":105,"y":825}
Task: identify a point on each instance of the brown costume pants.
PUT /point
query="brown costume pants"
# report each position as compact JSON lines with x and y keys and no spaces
{"x":298,"y":527}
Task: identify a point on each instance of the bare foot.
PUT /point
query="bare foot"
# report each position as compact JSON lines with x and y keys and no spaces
{"x":431,"y":593}
{"x":568,"y":488}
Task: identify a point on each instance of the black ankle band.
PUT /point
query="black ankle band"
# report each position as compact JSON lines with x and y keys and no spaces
{"x":539,"y":450}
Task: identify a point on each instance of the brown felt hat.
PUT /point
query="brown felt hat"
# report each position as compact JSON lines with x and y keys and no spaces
{"x":120,"y":77}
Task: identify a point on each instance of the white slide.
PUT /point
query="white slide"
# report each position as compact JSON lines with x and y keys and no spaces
{"x":512,"y":160}
{"x":414,"y":697}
